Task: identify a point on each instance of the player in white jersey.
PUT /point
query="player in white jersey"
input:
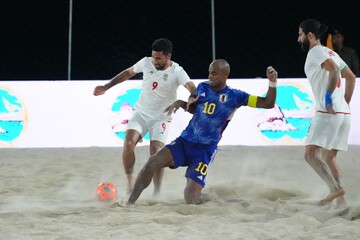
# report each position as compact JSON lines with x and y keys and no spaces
{"x":330,"y":127}
{"x":161,"y":79}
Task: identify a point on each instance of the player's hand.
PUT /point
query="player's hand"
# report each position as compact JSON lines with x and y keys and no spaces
{"x":99,"y":90}
{"x":174,"y":107}
{"x":191,"y":100}
{"x":271,"y":74}
{"x":330,"y":109}
{"x":329,"y":102}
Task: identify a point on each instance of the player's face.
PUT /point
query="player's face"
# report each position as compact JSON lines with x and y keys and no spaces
{"x":217,"y":78}
{"x":303,"y":41}
{"x":160,"y":60}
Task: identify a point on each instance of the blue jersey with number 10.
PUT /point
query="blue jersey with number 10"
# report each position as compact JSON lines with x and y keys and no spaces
{"x":214,"y":110}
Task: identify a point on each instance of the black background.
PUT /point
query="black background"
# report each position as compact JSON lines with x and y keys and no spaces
{"x":109,"y":36}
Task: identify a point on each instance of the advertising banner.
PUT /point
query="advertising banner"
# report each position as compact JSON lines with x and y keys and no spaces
{"x":67,"y":114}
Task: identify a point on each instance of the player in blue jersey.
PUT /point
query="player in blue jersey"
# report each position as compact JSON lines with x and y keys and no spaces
{"x":196,"y":147}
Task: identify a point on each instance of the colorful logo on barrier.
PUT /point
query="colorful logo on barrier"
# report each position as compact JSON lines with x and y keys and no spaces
{"x":13,"y":117}
{"x":122,"y":110}
{"x":291,"y":115}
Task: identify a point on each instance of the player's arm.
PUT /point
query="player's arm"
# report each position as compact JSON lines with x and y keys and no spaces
{"x":350,"y":83}
{"x":182,"y":104}
{"x":269,"y":100}
{"x":119,"y":78}
{"x":334,"y":76}
{"x":334,"y":73}
{"x":190,"y":86}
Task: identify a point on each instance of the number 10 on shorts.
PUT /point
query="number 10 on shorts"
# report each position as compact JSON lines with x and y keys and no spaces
{"x":202,"y":168}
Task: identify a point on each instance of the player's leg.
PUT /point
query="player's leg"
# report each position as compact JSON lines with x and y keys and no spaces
{"x":158,"y":134}
{"x":341,"y":124}
{"x":193,"y":194}
{"x":135,"y":130}
{"x":330,"y":157}
{"x":155,"y":146}
{"x":200,"y":157}
{"x":161,"y":159}
{"x":322,"y":135}
{"x":132,"y":137}
{"x":313,"y":156}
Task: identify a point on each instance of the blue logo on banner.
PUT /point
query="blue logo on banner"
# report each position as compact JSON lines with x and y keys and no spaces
{"x":291,"y":115}
{"x":13,"y":117}
{"x":122,"y":110}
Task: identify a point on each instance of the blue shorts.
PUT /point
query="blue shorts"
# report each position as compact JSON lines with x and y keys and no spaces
{"x":197,"y":157}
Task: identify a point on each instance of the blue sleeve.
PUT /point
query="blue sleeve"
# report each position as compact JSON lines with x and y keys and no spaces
{"x":200,"y":88}
{"x":242,"y":98}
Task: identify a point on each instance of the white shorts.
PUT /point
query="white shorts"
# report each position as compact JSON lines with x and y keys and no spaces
{"x":329,"y":131}
{"x":158,"y":129}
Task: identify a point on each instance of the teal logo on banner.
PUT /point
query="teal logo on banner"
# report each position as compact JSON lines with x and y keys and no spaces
{"x":13,"y":117}
{"x":291,"y":116}
{"x":122,"y":110}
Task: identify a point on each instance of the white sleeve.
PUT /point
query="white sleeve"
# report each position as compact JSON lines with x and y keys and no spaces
{"x":342,"y":63}
{"x":139,"y":66}
{"x":320,"y":55}
{"x":183,"y":77}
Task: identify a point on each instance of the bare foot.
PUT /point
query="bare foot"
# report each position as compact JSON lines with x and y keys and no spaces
{"x":156,"y":195}
{"x":130,"y":185}
{"x":123,"y":204}
{"x":129,"y":191}
{"x":332,"y":196}
{"x":341,"y":203}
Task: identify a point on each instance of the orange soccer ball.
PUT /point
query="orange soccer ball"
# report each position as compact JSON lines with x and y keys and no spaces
{"x":106,"y":192}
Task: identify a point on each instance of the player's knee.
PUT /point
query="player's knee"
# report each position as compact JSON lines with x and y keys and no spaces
{"x":309,"y":155}
{"x":306,"y":156}
{"x":155,"y":146}
{"x":129,"y":144}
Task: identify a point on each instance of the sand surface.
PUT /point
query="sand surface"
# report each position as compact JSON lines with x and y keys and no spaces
{"x":258,"y":193}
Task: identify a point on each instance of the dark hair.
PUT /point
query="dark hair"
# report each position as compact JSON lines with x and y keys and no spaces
{"x":314,"y":26}
{"x":162,"y":45}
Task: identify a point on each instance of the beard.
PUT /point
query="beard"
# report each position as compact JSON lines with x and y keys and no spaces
{"x":305,"y":45}
{"x":160,"y":67}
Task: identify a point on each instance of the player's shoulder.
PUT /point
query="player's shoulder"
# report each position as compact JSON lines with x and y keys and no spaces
{"x":145,"y":60}
{"x":203,"y":87}
{"x":175,"y":67}
{"x":235,"y":92}
{"x":231,"y":89}
{"x":318,"y":49}
{"x":143,"y":64}
{"x":318,"y":53}
{"x":204,"y":84}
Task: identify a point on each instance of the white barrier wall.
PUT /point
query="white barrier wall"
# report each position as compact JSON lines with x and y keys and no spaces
{"x":66,"y":114}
